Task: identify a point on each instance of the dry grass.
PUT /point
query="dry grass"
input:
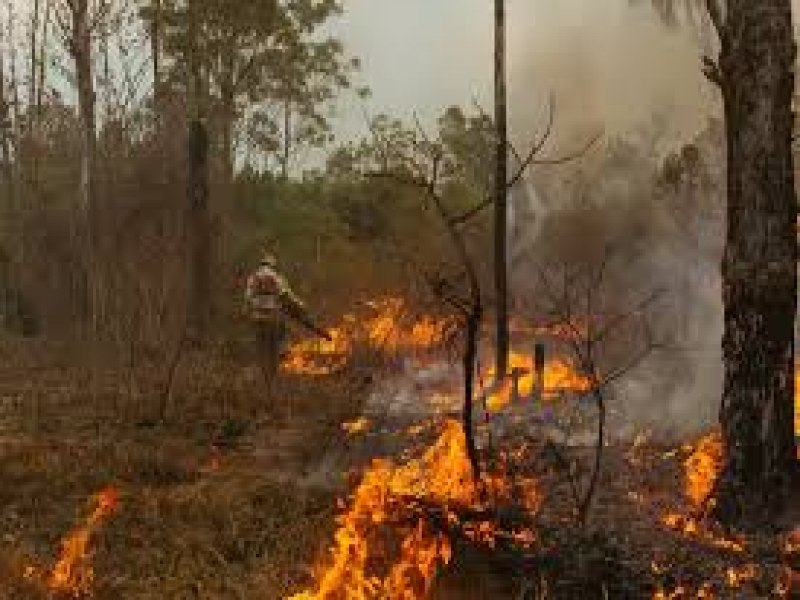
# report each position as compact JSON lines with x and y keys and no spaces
{"x":185,"y":528}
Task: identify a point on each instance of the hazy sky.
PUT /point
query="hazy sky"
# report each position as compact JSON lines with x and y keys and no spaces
{"x":610,"y":66}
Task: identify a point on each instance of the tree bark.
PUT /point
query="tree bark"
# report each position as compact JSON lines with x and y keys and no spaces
{"x":80,"y":46}
{"x":199,"y":222}
{"x":759,"y":268}
{"x":199,"y":233}
{"x":501,"y":193}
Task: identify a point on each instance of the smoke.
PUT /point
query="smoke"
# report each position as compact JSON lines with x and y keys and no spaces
{"x":611,"y":66}
{"x":656,"y":225}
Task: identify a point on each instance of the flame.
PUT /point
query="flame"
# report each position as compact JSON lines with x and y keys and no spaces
{"x":701,"y":469}
{"x":72,"y":573}
{"x":386,"y":328}
{"x":381,"y":510}
{"x":739,"y":575}
{"x":559,"y":376}
{"x":797,"y":409}
{"x":360,"y":425}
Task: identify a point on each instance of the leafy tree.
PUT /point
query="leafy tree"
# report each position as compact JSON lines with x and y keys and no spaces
{"x":257,"y":60}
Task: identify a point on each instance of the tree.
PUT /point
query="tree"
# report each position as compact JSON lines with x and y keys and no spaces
{"x":262,"y":60}
{"x":755,"y":73}
{"x":78,"y":22}
{"x":502,"y":339}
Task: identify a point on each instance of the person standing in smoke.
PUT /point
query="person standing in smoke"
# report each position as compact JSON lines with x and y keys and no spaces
{"x":269,"y":302}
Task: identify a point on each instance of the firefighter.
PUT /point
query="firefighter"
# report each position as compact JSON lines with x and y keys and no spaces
{"x":269,"y":302}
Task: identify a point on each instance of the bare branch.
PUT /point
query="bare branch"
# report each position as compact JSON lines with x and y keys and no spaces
{"x":537,"y":146}
{"x":474,"y":211}
{"x":572,"y":156}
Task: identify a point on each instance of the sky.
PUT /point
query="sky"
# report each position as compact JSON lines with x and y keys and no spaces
{"x":610,"y":66}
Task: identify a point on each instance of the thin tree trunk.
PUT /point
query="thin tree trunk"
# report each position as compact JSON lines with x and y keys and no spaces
{"x":759,"y":267}
{"x":287,"y":138}
{"x":199,"y":233}
{"x":229,"y":120}
{"x":501,"y":193}
{"x":86,"y":104}
{"x":34,"y":56}
{"x":155,"y":51}
{"x":6,"y":132}
{"x":80,"y":47}
{"x":43,"y":60}
{"x":199,"y":300}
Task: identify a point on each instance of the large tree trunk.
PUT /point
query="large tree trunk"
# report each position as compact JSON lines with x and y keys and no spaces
{"x":759,"y":267}
{"x":501,"y":192}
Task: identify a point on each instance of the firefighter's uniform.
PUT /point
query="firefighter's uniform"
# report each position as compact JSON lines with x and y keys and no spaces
{"x":267,"y":296}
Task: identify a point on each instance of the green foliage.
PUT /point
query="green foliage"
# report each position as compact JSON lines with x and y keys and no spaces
{"x":257,"y":60}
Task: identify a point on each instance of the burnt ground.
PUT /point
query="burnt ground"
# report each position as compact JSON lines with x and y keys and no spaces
{"x":228,"y":498}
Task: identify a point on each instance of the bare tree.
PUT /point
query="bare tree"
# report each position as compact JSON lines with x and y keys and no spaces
{"x":571,"y":299}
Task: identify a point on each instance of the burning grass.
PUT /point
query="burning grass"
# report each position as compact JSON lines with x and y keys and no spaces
{"x":384,"y":549}
{"x":385,"y":325}
{"x":217,"y":503}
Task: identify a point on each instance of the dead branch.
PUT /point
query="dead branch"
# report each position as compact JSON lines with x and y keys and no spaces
{"x":537,"y":146}
{"x":573,"y":306}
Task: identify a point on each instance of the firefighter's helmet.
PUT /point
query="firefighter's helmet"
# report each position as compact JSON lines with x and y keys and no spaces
{"x":269,"y":259}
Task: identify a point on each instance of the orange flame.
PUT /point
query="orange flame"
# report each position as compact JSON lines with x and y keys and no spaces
{"x":797,"y":409}
{"x":72,"y":573}
{"x":360,"y":425}
{"x":702,"y":468}
{"x":386,"y":328}
{"x":381,"y":509}
{"x":559,"y":376}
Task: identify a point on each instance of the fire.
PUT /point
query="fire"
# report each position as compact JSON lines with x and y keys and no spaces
{"x":559,"y":376}
{"x":382,"y":548}
{"x":737,"y":576}
{"x":72,"y":574}
{"x":360,"y":425}
{"x":702,"y":468}
{"x":797,"y":409}
{"x":386,"y":327}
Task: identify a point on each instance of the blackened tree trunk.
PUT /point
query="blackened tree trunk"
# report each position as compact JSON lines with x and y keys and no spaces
{"x":759,"y":266}
{"x":501,"y":192}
